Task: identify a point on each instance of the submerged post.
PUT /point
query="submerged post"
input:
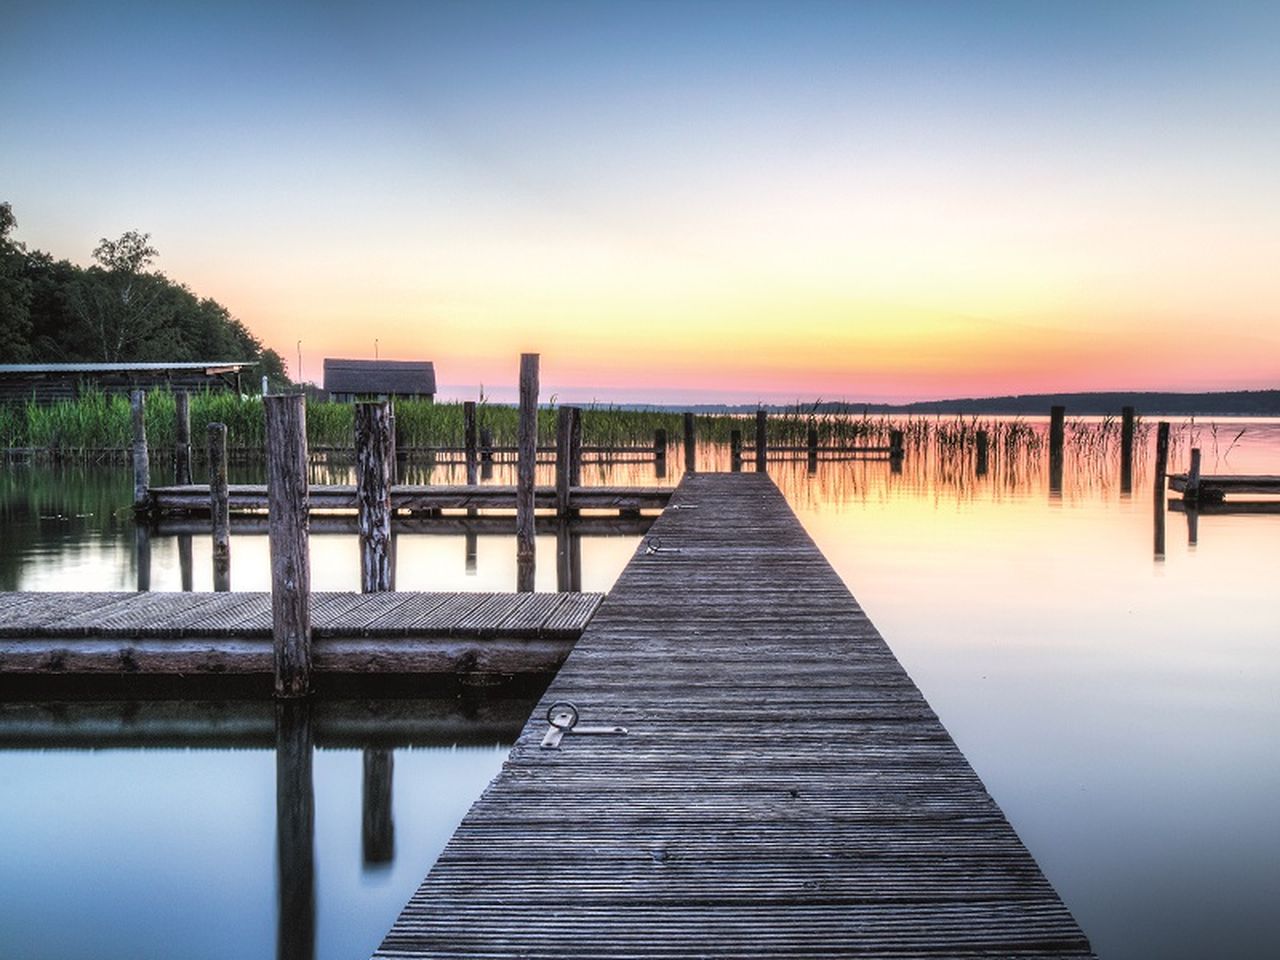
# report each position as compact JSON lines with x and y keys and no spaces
{"x":219,"y":507}
{"x":762,"y":448}
{"x":182,"y":439}
{"x":660,"y":453}
{"x":141,"y":458}
{"x":374,"y":457}
{"x":690,"y":444}
{"x":564,"y":430}
{"x":526,"y":465}
{"x":288,"y":532}
{"x":1126,"y":449}
{"x":469,"y":440}
{"x":983,"y":444}
{"x":735,"y":450}
{"x":1162,"y":464}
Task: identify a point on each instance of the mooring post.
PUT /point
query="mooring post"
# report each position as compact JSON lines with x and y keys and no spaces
{"x":220,"y":507}
{"x":690,"y":444}
{"x":1162,"y":465}
{"x":1126,"y":449}
{"x":374,"y":457}
{"x":575,"y":448}
{"x":469,"y":440}
{"x":526,"y":468}
{"x":660,"y":453}
{"x":288,"y":532}
{"x":984,"y":443}
{"x":1191,"y":493}
{"x":378,"y":829}
{"x":564,"y":430}
{"x":762,"y":446}
{"x":295,"y":832}
{"x":813,"y":448}
{"x":897,"y":448}
{"x":182,"y":438}
{"x":141,"y":458}
{"x":486,"y":453}
{"x":1057,"y":438}
{"x":735,"y":451}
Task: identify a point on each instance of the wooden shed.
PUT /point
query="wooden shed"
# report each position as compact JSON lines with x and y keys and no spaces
{"x":347,"y":380}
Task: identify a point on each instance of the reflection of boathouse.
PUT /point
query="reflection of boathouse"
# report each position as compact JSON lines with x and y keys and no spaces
{"x":47,"y":382}
{"x":347,"y":380}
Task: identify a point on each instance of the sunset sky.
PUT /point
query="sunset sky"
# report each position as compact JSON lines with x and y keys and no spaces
{"x":682,"y":201}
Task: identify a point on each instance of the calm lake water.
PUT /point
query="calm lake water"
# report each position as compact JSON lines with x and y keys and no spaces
{"x":1121,"y":707}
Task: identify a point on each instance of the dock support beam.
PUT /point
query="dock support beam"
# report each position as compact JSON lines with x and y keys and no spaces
{"x":288,"y":518}
{"x":526,"y":466}
{"x":762,"y":447}
{"x":182,"y":439}
{"x":1126,"y":449}
{"x":690,"y":444}
{"x":141,"y":458}
{"x":220,"y":507}
{"x":374,"y":458}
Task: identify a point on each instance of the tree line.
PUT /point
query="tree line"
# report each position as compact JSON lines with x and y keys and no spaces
{"x":115,"y":311}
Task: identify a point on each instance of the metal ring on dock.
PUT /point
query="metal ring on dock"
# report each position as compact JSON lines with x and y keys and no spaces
{"x":556,"y":712}
{"x":652,"y":545}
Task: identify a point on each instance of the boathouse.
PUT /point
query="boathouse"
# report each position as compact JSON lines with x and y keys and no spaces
{"x":347,"y":380}
{"x":47,"y":382}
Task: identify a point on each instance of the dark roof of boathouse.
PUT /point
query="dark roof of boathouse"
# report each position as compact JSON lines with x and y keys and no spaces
{"x":390,"y":378}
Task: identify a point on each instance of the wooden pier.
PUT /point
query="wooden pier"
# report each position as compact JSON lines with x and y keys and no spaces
{"x":782,"y":788}
{"x":231,"y":633}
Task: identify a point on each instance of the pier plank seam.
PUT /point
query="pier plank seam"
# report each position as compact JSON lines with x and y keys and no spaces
{"x":784,"y":789}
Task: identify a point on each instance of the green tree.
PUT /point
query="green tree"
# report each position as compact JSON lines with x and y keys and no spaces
{"x":124,"y":312}
{"x":15,"y":292}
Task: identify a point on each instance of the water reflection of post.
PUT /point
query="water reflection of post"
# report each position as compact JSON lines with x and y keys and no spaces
{"x":142,"y":554}
{"x":564,"y":558}
{"x":378,"y":829}
{"x":295,"y":832}
{"x":1162,"y":462}
{"x":185,"y":563}
{"x":470,"y":540}
{"x":1193,"y":524}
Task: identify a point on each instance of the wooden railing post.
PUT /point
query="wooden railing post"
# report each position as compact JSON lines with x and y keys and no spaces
{"x":526,"y":468}
{"x":288,"y":529}
{"x":762,"y":443}
{"x":374,"y":458}
{"x":1126,"y":449}
{"x":469,"y":440}
{"x":564,"y":430}
{"x":141,"y":458}
{"x":182,"y":438}
{"x":220,"y":507}
{"x":690,"y":444}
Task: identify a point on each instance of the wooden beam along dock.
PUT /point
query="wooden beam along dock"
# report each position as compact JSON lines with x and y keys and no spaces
{"x":782,"y":789}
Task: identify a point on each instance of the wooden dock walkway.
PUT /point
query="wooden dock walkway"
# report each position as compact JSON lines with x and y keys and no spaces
{"x":194,"y":498}
{"x":783,"y":789}
{"x":219,"y":633}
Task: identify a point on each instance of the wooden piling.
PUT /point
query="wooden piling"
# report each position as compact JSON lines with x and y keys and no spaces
{"x":220,"y":507}
{"x":1191,"y":493}
{"x":142,"y":555}
{"x":469,"y":440}
{"x":564,"y":428}
{"x":141,"y":458}
{"x":762,"y":446}
{"x":374,"y":458}
{"x":1057,"y":438}
{"x":690,"y":444}
{"x":575,"y":447}
{"x":660,"y":453}
{"x":813,"y":448}
{"x":526,"y":464}
{"x":288,"y":517}
{"x":182,"y":439}
{"x":486,"y":453}
{"x":186,"y":563}
{"x":735,"y":450}
{"x":377,"y":826}
{"x":984,"y":443}
{"x":1158,"y":484}
{"x":1126,"y":449}
{"x":897,"y":447}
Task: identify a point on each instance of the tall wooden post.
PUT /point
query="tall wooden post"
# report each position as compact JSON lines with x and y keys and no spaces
{"x":377,"y":825}
{"x":564,"y":428}
{"x":1158,"y":484}
{"x":1126,"y":449}
{"x":141,"y":458}
{"x":660,"y":453}
{"x":374,"y":457}
{"x":288,"y":529}
{"x":182,"y":438}
{"x":220,"y":507}
{"x":575,"y":446}
{"x":469,"y":440}
{"x":1057,"y":439}
{"x":984,"y":443}
{"x":295,"y":832}
{"x":897,"y":445}
{"x":762,"y":442}
{"x":735,"y":451}
{"x":526,"y":467}
{"x":690,"y":444}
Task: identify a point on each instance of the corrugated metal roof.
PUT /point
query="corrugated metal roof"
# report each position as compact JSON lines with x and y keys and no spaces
{"x":124,"y":367}
{"x":380,"y":376}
